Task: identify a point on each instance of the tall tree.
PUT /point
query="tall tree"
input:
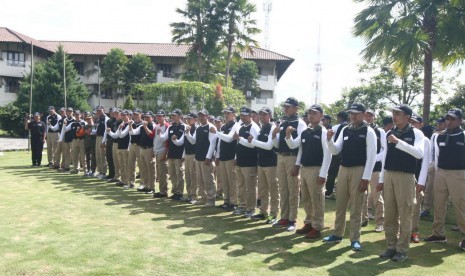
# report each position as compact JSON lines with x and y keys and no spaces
{"x":245,"y":76}
{"x":200,"y":30}
{"x":113,"y":72}
{"x":409,"y":32}
{"x":48,"y":85}
{"x":238,"y":28}
{"x":139,"y":70}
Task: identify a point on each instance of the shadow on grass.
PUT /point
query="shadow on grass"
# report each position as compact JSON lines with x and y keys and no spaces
{"x":240,"y":236}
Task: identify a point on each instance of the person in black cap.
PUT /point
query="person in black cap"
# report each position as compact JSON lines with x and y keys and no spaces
{"x":397,"y":181}
{"x":205,"y":141}
{"x":134,"y":149}
{"x":52,"y":135}
{"x":288,"y":172}
{"x":326,"y":121}
{"x":57,"y":155}
{"x":218,"y":122}
{"x":314,"y":157}
{"x":77,"y":146}
{"x":428,"y":198}
{"x":268,"y":190}
{"x":256,"y":118}
{"x":174,"y":134}
{"x":89,"y":144}
{"x":342,"y":118}
{"x":38,"y":132}
{"x":123,"y":139}
{"x":449,"y":151}
{"x":111,"y":151}
{"x":101,"y":126}
{"x":226,"y":153}
{"x":246,"y":156}
{"x":161,"y":153}
{"x":67,"y":140}
{"x":357,"y":143}
{"x":189,"y":159}
{"x":387,"y":123}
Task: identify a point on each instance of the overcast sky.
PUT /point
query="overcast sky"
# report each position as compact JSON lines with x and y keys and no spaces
{"x":293,"y":32}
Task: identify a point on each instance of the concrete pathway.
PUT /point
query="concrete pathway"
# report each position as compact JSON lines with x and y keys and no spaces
{"x":7,"y":144}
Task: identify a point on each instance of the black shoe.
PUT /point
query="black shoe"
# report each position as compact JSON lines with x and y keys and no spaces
{"x":108,"y":177}
{"x":388,"y":254}
{"x":138,"y":176}
{"x":259,"y":203}
{"x":399,"y":257}
{"x":159,"y":195}
{"x":433,"y":238}
{"x":364,"y":223}
{"x":120,"y":184}
{"x":258,"y":216}
{"x":231,"y":208}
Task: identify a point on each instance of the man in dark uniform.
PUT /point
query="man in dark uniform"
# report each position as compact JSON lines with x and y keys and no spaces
{"x":108,"y":141}
{"x":101,"y":125}
{"x":89,"y":144}
{"x":52,"y":135}
{"x":38,"y":137}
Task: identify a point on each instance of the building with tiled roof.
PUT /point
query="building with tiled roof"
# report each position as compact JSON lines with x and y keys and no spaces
{"x":168,"y":60}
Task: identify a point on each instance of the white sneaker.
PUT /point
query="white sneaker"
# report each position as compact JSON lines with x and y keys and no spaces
{"x":239,"y":211}
{"x":249,"y":214}
{"x":379,"y":228}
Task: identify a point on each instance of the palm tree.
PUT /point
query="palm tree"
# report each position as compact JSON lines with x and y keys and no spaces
{"x":409,"y":32}
{"x":238,"y":28}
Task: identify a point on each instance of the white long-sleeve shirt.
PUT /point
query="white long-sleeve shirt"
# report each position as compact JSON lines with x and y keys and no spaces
{"x":416,"y":150}
{"x":268,"y":145}
{"x":53,"y":127}
{"x":336,"y":147}
{"x":254,"y":130}
{"x":425,"y":163}
{"x":228,"y":138}
{"x":211,"y":137}
{"x":300,"y":127}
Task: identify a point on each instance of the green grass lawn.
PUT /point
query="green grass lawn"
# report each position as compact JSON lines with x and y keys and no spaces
{"x":61,"y":224}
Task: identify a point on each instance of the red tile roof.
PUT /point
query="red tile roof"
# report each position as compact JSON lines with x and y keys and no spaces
{"x":8,"y":35}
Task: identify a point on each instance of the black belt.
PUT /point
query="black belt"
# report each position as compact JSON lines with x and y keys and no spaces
{"x":146,"y":147}
{"x":79,"y":138}
{"x":288,"y":153}
{"x":135,"y":144}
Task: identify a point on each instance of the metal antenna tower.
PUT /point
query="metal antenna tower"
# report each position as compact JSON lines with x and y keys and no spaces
{"x":267,"y":6}
{"x":317,"y":78}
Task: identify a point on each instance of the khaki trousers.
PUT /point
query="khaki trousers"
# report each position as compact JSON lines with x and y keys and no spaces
{"x":399,"y":201}
{"x":162,"y":173}
{"x":191,"y":181}
{"x":123,"y":161}
{"x":147,"y":162}
{"x":348,"y":195}
{"x":52,"y":139}
{"x":228,"y":176}
{"x":288,"y":187}
{"x":377,"y":199}
{"x":313,"y":197}
{"x":133,"y":157}
{"x":176,"y":170}
{"x":58,"y":154}
{"x":79,"y":153}
{"x":217,"y":177}
{"x":449,"y":183}
{"x":268,"y":190}
{"x":204,"y":173}
{"x":66,"y":154}
{"x":429,"y":189}
{"x":416,"y":212}
{"x":247,"y":180}
{"x":100,"y":155}
{"x":114,"y":150}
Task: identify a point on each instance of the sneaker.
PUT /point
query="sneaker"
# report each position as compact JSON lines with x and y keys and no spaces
{"x":141,"y":188}
{"x":305,"y":229}
{"x":232,"y":208}
{"x":313,"y":234}
{"x":388,"y":254}
{"x":174,"y":197}
{"x":424,"y":214}
{"x":399,"y":257}
{"x":291,"y":226}
{"x":249,"y":214}
{"x":371,"y":217}
{"x":258,"y":216}
{"x":356,"y":246}
{"x":129,"y":186}
{"x":280,"y":223}
{"x":379,"y":228}
{"x":113,"y":180}
{"x":159,"y":195}
{"x":120,"y":184}
{"x":462,"y":245}
{"x":455,"y":228}
{"x":270,"y":219}
{"x":364,"y":223}
{"x":332,"y":239}
{"x":74,"y":172}
{"x":239,"y":211}
{"x":209,"y":204}
{"x":415,"y":238}
{"x":199,"y":202}
{"x":433,"y":238}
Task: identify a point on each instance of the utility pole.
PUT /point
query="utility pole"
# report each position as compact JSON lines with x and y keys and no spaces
{"x":317,"y":78}
{"x":267,"y":6}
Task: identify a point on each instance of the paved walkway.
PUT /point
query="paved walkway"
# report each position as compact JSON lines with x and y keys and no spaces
{"x":7,"y":144}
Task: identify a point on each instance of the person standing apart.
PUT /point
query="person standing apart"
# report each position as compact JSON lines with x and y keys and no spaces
{"x":38,"y":137}
{"x":52,"y":135}
{"x":357,"y":143}
{"x":397,"y":181}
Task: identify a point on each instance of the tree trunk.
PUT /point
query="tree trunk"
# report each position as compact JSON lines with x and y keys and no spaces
{"x":429,"y":25}
{"x":228,"y":64}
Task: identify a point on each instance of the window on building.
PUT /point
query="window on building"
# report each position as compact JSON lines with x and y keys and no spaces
{"x":79,"y":66}
{"x":11,"y":84}
{"x":15,"y":59}
{"x":166,"y":68}
{"x":107,"y":93}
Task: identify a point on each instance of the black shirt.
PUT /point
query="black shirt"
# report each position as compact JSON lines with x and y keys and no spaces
{"x":282,"y":136}
{"x":188,"y":147}
{"x":37,"y":129}
{"x":174,"y":151}
{"x":396,"y":159}
{"x":53,"y":120}
{"x":227,"y":150}
{"x":202,"y":142}
{"x":266,"y":158}
{"x":246,"y":157}
{"x":451,"y":151}
{"x":354,"y":149}
{"x":312,"y":148}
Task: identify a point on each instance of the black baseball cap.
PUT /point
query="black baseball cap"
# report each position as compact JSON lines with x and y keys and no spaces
{"x":356,"y":108}
{"x":246,"y":111}
{"x":229,"y":109}
{"x":62,"y":109}
{"x":204,"y":112}
{"x":116,"y":110}
{"x":50,"y":108}
{"x":404,"y":108}
{"x":160,"y":112}
{"x":387,"y":120}
{"x":211,"y":117}
{"x":441,"y":120}
{"x":136,"y":111}
{"x":327,"y":117}
{"x":99,"y":107}
{"x":371,"y":111}
{"x":125,"y":112}
{"x":192,"y":115}
{"x":315,"y":107}
{"x":69,"y":109}
{"x":177,"y":111}
{"x":265,"y":110}
{"x":291,"y":101}
{"x":36,"y":114}
{"x":148,"y":114}
{"x":77,"y":112}
{"x":219,"y":119}
{"x":416,"y":118}
{"x":455,"y":112}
